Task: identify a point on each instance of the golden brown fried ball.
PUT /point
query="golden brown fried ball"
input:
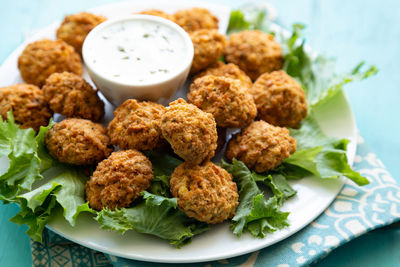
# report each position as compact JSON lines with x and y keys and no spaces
{"x":226,"y":99}
{"x":191,"y":132}
{"x":227,"y":70}
{"x":78,"y":142}
{"x":42,"y":58}
{"x":194,"y":19}
{"x":136,"y":125}
{"x":209,"y":46}
{"x":119,"y":180}
{"x":261,"y":146}
{"x":73,"y":97}
{"x":157,"y":13}
{"x":280,"y":99}
{"x":206,"y":192}
{"x":74,"y":29}
{"x":254,"y":52}
{"x":28,"y":105}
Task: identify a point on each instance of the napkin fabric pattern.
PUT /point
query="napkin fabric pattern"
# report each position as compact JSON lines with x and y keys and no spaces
{"x":355,"y":211}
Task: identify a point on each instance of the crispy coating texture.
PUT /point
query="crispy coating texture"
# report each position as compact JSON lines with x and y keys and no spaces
{"x":254,"y":52}
{"x":119,"y":180}
{"x":73,"y":97}
{"x":158,"y":13}
{"x":74,"y":29}
{"x":28,"y":105}
{"x":227,"y":70}
{"x":78,"y":142}
{"x":42,"y":58}
{"x":261,"y":146}
{"x":191,"y":132}
{"x":280,"y":99}
{"x":226,"y":99}
{"x":136,"y":125}
{"x":194,"y":19}
{"x":209,"y":46}
{"x":206,"y":192}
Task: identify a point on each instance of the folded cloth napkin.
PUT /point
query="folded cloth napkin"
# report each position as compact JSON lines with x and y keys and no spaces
{"x":355,"y":211}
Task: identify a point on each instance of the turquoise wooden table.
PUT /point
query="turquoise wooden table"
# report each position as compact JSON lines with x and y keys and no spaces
{"x":352,"y":31}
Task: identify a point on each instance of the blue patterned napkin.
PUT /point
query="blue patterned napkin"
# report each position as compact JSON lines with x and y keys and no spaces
{"x":355,"y":211}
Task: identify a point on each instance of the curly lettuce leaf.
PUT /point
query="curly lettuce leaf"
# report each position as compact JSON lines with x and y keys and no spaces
{"x":316,"y":73}
{"x":66,"y":190}
{"x":27,"y":157}
{"x":251,"y":19}
{"x":278,"y":185}
{"x":163,"y":166}
{"x":163,"y":163}
{"x":318,"y":154}
{"x":254,"y":213}
{"x":156,"y":215}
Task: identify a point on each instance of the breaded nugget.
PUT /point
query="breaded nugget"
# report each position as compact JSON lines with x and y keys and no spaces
{"x":42,"y":58}
{"x":261,"y":146}
{"x":191,"y":132}
{"x":73,"y":97}
{"x":119,"y":180}
{"x":78,"y":142}
{"x":157,"y":13}
{"x":27,"y":103}
{"x":194,"y":19}
{"x":280,"y":99}
{"x":227,"y":70}
{"x":255,"y":52}
{"x":136,"y":125}
{"x":74,"y":29}
{"x":226,"y":99}
{"x":209,"y":46}
{"x":206,"y":192}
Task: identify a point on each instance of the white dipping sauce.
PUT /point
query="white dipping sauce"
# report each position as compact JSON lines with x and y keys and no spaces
{"x":137,"y":51}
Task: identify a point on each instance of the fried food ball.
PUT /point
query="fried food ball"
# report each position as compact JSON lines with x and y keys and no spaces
{"x":74,"y":29}
{"x":30,"y":110}
{"x":136,"y":125}
{"x":226,"y":99}
{"x":209,"y":46}
{"x":119,"y":180}
{"x":42,"y":58}
{"x":194,"y":19}
{"x":261,"y":146}
{"x":280,"y":99}
{"x":227,"y":70}
{"x":73,"y":97}
{"x":158,"y":13}
{"x":206,"y":192}
{"x":191,"y":132}
{"x":255,"y":52}
{"x":78,"y":142}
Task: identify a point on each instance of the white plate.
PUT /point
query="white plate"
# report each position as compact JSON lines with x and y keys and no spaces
{"x":313,"y":195}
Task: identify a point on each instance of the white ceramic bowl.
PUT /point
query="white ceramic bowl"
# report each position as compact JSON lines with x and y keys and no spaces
{"x":116,"y":91}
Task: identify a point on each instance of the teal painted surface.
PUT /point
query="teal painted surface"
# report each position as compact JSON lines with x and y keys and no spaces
{"x":349,"y":30}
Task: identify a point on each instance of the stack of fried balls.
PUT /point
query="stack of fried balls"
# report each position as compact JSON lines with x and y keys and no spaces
{"x":247,"y":90}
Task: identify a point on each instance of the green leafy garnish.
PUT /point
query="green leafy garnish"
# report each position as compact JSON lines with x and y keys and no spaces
{"x":27,"y":158}
{"x":316,"y":73}
{"x":66,"y":190}
{"x":254,"y":213}
{"x":318,"y":154}
{"x":163,"y":166}
{"x":156,"y":215}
